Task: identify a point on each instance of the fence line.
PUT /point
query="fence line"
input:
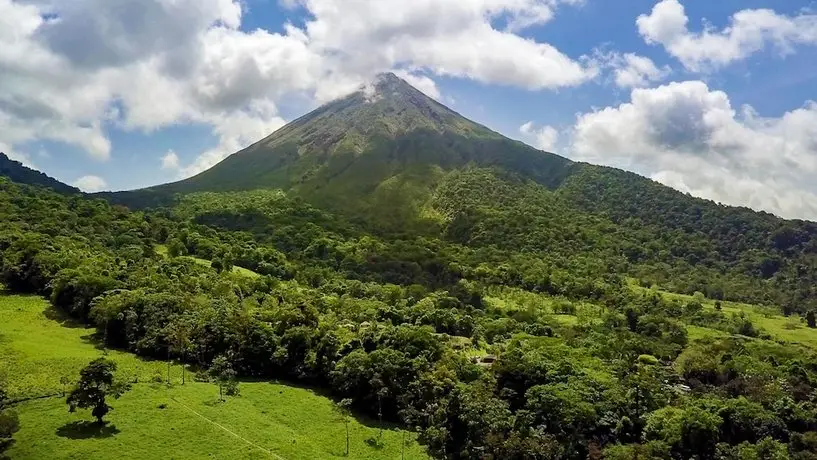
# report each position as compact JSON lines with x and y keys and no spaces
{"x":14,"y":402}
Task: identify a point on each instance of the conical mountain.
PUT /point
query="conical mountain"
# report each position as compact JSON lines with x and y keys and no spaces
{"x":384,"y":148}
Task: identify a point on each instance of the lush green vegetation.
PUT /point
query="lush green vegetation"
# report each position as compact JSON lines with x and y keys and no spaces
{"x":400,"y":166}
{"x":39,"y":355}
{"x":41,"y":347}
{"x":498,"y":301}
{"x":588,"y":364}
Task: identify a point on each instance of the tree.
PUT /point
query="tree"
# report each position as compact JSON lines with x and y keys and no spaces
{"x":690,"y":432}
{"x":9,"y":424}
{"x":342,"y":409}
{"x":223,"y":373}
{"x":811,"y":320}
{"x":217,"y":264}
{"x":176,"y":248}
{"x":96,"y":383}
{"x":179,"y":335}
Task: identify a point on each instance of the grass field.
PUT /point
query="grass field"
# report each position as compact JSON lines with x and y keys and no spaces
{"x":162,"y":250}
{"x":40,"y":345}
{"x":790,"y":330}
{"x":157,"y":421}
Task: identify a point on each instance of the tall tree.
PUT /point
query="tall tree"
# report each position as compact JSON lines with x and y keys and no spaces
{"x":96,"y":384}
{"x":179,"y":334}
{"x":223,"y":373}
{"x":342,"y":408}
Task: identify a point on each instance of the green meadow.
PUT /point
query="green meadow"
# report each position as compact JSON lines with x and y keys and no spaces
{"x":792,"y":330}
{"x":41,"y":348}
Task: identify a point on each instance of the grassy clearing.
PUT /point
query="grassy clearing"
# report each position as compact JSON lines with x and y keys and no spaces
{"x":697,"y":332}
{"x":151,"y":421}
{"x":509,"y":300}
{"x":791,"y":330}
{"x":40,"y":345}
{"x":161,"y":249}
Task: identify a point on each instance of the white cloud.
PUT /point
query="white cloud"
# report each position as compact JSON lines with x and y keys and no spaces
{"x":688,"y":136}
{"x":544,"y":138}
{"x":421,"y":82}
{"x":170,"y":160}
{"x":749,"y":31}
{"x":236,"y":130}
{"x":40,"y":96}
{"x":146,"y":64}
{"x":634,"y":71}
{"x":90,"y":184}
{"x":452,"y":37}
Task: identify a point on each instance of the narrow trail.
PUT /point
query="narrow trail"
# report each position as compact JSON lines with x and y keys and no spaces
{"x":263,"y":449}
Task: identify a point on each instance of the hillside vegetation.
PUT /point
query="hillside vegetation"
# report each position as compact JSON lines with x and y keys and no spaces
{"x":396,"y":164}
{"x":16,"y":171}
{"x":587,"y":365}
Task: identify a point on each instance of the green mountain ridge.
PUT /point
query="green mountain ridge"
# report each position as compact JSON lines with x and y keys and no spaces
{"x":18,"y":172}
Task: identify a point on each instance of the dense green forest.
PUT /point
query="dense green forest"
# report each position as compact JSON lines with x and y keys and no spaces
{"x":397,"y":323}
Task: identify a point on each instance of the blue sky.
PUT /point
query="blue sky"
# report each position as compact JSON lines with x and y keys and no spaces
{"x":712,"y":98}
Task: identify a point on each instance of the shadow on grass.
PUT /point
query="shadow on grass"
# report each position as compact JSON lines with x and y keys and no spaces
{"x":361,"y":417}
{"x":94,"y":339}
{"x":55,"y":314}
{"x":85,"y":429}
{"x":375,"y":442}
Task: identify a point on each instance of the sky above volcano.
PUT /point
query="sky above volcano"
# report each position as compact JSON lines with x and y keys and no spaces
{"x":716,"y":99}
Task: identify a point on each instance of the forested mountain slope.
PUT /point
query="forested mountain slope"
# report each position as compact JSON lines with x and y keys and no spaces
{"x":375,"y":155}
{"x":15,"y":171}
{"x":586,"y":366}
{"x":396,"y":163}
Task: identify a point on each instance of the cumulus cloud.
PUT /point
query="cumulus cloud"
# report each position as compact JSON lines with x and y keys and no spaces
{"x":90,"y":184}
{"x":102,"y":33}
{"x":40,"y":96}
{"x":544,"y":137}
{"x":633,"y":71}
{"x":689,"y":137}
{"x":170,"y":160}
{"x":70,"y":70}
{"x":454,"y":38}
{"x":748,"y":32}
{"x":236,"y":130}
